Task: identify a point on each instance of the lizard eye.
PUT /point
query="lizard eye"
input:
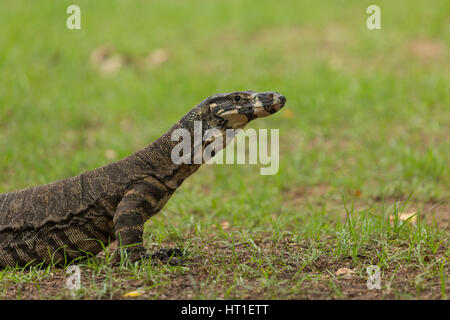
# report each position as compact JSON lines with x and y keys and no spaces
{"x":237,"y":98}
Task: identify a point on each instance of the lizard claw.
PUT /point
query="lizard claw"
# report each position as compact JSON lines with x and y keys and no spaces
{"x":132,"y":254}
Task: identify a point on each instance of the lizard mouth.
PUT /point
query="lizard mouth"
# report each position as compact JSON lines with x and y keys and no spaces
{"x":235,"y":119}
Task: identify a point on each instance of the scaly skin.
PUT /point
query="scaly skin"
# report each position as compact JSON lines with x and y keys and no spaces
{"x":55,"y":223}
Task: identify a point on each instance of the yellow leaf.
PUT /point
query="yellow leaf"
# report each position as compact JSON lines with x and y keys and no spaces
{"x":157,"y":57}
{"x":132,"y":294}
{"x":110,"y":154}
{"x":357,"y":193}
{"x":405,"y":216}
{"x":343,"y":271}
{"x":225,"y":225}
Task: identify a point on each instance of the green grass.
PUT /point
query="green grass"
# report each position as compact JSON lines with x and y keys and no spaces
{"x":365,"y":128}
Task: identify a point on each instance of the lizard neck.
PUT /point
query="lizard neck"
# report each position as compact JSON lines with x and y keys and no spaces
{"x":158,"y":158}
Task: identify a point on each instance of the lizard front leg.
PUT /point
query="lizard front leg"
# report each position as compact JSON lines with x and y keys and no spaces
{"x":140,"y":202}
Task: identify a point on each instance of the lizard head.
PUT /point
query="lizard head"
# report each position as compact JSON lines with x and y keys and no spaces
{"x":215,"y":115}
{"x":236,"y":109}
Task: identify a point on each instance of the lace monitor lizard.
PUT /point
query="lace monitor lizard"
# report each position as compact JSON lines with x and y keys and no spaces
{"x":56,"y":222}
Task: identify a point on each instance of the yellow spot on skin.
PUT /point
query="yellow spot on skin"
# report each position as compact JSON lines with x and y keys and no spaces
{"x":258,"y":104}
{"x":236,"y":119}
{"x":344,"y":271}
{"x":259,"y":109}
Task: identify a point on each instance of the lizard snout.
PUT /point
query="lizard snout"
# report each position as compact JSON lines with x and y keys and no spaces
{"x":267,"y":103}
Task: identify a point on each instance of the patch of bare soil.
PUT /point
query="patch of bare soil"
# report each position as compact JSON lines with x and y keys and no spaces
{"x":304,"y":194}
{"x":107,"y":61}
{"x":435,"y":212}
{"x":323,"y":277}
{"x":41,"y":289}
{"x":427,"y":49}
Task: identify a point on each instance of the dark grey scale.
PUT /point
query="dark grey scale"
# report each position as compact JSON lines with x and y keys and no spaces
{"x":131,"y":233}
{"x":102,"y":208}
{"x":84,"y":187}
{"x":140,"y":165}
{"x":122,"y":173}
{"x":71,"y":249}
{"x":14,"y":254}
{"x":55,"y":252}
{"x":89,"y":243}
{"x":158,"y":193}
{"x":24,"y":251}
{"x":79,"y":235}
{"x":6,"y":258}
{"x":151,"y":166}
{"x":223,"y":123}
{"x":250,"y":115}
{"x":105,"y":227}
{"x":99,"y":229}
{"x":107,"y":205}
{"x":270,"y":110}
{"x":128,"y":219}
{"x":98,"y":187}
{"x":20,"y":248}
{"x":132,"y":200}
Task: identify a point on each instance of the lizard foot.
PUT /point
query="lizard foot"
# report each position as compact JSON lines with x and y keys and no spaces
{"x":131,"y":254}
{"x":169,"y":256}
{"x":138,"y":253}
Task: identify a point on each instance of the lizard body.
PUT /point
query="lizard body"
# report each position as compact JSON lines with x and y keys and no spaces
{"x":57,"y":222}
